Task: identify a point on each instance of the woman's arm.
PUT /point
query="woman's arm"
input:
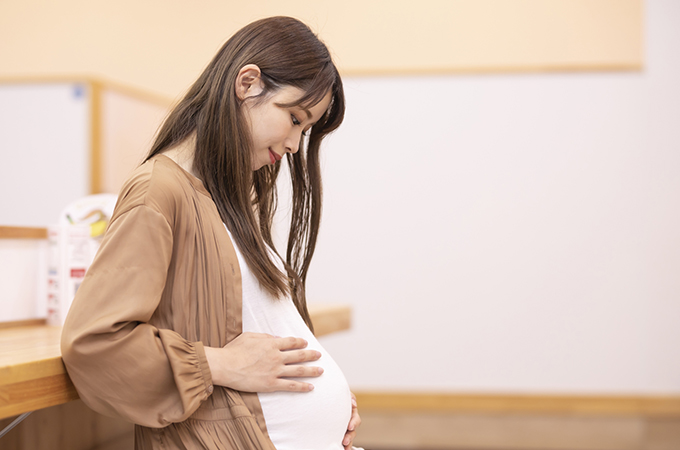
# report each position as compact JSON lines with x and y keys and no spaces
{"x":120,"y":364}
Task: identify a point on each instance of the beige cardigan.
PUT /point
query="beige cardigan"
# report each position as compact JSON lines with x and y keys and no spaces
{"x":165,"y":282}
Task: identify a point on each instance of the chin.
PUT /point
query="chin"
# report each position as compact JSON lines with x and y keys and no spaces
{"x":256,"y":165}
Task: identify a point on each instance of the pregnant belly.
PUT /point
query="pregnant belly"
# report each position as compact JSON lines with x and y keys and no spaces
{"x":315,"y":420}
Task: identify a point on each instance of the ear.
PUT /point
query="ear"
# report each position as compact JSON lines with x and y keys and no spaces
{"x":248,"y":82}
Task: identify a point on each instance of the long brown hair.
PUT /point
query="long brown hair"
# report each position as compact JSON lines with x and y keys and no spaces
{"x":288,"y":54}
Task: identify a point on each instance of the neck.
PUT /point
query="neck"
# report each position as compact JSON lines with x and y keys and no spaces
{"x":183,"y":154}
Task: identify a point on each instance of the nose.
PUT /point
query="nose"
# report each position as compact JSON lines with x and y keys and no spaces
{"x":292,"y":148}
{"x":293,"y":141}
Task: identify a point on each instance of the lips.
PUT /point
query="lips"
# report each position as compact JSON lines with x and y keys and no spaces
{"x":273,"y":156}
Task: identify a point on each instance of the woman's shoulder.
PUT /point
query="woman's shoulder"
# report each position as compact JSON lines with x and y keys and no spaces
{"x":158,"y":183}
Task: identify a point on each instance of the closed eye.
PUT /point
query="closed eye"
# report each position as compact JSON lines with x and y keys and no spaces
{"x":296,"y":122}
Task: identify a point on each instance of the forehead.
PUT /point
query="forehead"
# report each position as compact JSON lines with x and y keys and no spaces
{"x":290,"y":95}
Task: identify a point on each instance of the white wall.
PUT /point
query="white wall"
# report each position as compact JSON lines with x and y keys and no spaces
{"x":129,"y":124}
{"x":45,"y":148}
{"x":509,"y":233}
{"x":23,"y":290}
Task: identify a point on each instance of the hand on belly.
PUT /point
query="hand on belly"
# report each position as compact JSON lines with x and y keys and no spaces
{"x":257,"y":362}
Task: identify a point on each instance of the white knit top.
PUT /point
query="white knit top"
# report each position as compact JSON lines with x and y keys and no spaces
{"x":315,"y":420}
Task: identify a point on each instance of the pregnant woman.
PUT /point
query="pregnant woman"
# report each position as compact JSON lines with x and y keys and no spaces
{"x":189,"y":323}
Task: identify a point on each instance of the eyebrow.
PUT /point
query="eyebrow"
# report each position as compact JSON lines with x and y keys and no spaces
{"x":308,"y":112}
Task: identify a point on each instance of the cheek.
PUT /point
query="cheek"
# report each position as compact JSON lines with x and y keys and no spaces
{"x":271,"y":129}
{"x":260,"y":134}
{"x":277,"y":132}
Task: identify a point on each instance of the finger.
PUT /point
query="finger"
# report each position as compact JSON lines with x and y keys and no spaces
{"x":291,"y":343}
{"x":355,"y":421}
{"x":298,"y":356}
{"x":291,"y":386}
{"x":256,"y":335}
{"x":349,"y":438}
{"x":301,"y":371}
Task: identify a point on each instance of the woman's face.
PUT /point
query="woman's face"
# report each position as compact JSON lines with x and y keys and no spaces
{"x":277,"y":130}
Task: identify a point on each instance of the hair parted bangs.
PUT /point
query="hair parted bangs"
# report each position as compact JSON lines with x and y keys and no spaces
{"x":288,"y":53}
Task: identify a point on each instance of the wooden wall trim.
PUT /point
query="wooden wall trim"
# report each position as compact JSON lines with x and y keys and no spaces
{"x":95,"y":137}
{"x":49,"y":79}
{"x":140,"y":94}
{"x":23,"y":323}
{"x":599,"y":405}
{"x":22,"y":233}
{"x":490,"y":70}
{"x":104,"y":83}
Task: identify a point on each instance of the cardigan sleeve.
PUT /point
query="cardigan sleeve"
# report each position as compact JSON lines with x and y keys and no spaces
{"x":120,"y":364}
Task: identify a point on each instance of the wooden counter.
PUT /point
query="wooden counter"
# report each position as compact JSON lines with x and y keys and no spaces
{"x":32,"y":374}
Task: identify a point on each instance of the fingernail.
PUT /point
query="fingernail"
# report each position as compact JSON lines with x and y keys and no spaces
{"x":354,"y":402}
{"x":318,"y":354}
{"x":311,"y":388}
{"x":345,"y":442}
{"x":351,"y":428}
{"x":320,"y":370}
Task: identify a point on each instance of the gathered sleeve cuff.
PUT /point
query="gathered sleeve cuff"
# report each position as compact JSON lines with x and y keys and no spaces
{"x":189,"y":365}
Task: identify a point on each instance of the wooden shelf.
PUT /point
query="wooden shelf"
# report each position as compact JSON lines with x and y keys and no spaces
{"x":33,"y":376}
{"x":22,"y":233}
{"x":329,"y":318}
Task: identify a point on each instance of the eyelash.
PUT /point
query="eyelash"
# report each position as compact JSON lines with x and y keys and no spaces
{"x":297,"y":122}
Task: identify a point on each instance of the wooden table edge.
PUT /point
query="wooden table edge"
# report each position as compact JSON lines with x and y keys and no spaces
{"x":48,"y":378}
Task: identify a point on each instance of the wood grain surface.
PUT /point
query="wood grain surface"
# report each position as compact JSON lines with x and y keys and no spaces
{"x":22,"y":233}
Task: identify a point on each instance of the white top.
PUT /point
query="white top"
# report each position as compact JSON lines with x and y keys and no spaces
{"x":315,"y":420}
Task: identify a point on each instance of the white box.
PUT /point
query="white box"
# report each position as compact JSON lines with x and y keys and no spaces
{"x":70,"y":253}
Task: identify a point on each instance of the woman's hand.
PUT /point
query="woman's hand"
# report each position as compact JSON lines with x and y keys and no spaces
{"x":256,"y":362}
{"x":354,"y":423}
